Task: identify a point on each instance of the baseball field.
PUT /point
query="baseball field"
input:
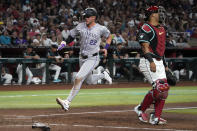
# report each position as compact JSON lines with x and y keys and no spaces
{"x":95,"y":108}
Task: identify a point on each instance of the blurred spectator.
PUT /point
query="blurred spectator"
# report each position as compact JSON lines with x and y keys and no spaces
{"x":33,"y":20}
{"x":170,"y":41}
{"x":9,"y":28}
{"x":194,"y":34}
{"x":42,"y":30}
{"x":46,"y":41}
{"x":65,"y":32}
{"x":131,"y":22}
{"x":182,"y":42}
{"x":14,"y":38}
{"x":75,"y":21}
{"x":132,"y":42}
{"x":32,"y":32}
{"x":37,"y":41}
{"x":59,"y":38}
{"x":5,"y":39}
{"x":26,"y":6}
{"x":54,"y":40}
{"x":21,"y":41}
{"x":2,"y":27}
{"x":118,"y":38}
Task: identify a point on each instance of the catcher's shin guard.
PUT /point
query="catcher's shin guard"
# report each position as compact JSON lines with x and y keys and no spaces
{"x":159,"y":104}
{"x":148,"y":100}
{"x":160,"y":93}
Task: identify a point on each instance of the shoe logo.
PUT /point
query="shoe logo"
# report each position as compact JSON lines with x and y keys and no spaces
{"x":160,"y":33}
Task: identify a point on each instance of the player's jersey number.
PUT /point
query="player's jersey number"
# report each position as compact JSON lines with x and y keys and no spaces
{"x":93,"y":42}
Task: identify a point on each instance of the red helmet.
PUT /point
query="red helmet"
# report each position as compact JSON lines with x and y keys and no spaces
{"x":155,"y":9}
{"x":150,"y":10}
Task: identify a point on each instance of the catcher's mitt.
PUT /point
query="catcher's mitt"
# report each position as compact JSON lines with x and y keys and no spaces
{"x":171,"y":78}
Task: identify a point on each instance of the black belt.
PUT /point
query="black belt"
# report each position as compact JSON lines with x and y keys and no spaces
{"x":158,"y":59}
{"x":85,"y":56}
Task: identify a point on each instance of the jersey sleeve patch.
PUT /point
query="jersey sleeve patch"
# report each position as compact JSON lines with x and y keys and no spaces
{"x":146,"y":28}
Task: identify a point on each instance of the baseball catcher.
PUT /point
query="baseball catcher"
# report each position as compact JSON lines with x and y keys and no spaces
{"x":152,"y":37}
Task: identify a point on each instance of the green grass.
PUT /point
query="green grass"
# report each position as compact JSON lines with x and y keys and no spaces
{"x":90,"y":97}
{"x":183,"y":111}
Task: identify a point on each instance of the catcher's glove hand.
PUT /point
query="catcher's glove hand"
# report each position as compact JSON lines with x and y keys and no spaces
{"x":171,"y":78}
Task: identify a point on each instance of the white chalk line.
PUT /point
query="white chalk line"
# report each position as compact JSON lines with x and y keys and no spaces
{"x":117,"y":127}
{"x":115,"y":92}
{"x":82,"y":113}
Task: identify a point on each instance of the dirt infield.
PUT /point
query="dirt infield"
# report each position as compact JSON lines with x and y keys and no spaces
{"x":107,"y":118}
{"x":113,"y":118}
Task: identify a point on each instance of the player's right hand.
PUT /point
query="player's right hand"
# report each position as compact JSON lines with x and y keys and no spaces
{"x":152,"y":67}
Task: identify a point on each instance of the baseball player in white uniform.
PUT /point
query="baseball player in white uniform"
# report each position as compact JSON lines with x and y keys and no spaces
{"x":90,"y":34}
{"x":30,"y":54}
{"x":6,"y":77}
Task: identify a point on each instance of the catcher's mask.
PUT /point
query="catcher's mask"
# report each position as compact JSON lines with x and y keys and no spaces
{"x":89,"y":12}
{"x":155,"y":9}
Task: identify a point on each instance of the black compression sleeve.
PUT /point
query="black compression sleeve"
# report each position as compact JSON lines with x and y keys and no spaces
{"x":148,"y":56}
{"x":69,"y":39}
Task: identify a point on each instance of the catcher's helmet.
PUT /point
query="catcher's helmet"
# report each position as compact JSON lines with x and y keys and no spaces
{"x":150,"y":10}
{"x":89,"y":12}
{"x":155,"y":9}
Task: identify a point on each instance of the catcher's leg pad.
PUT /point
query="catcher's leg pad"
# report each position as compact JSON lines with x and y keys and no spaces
{"x":160,"y":89}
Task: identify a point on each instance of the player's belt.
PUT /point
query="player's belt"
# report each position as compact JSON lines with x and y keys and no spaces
{"x":85,"y":56}
{"x":158,"y":59}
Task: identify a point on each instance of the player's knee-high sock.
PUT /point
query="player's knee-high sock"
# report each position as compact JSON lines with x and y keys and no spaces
{"x":159,"y":104}
{"x":74,"y":91}
{"x":148,"y":99}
